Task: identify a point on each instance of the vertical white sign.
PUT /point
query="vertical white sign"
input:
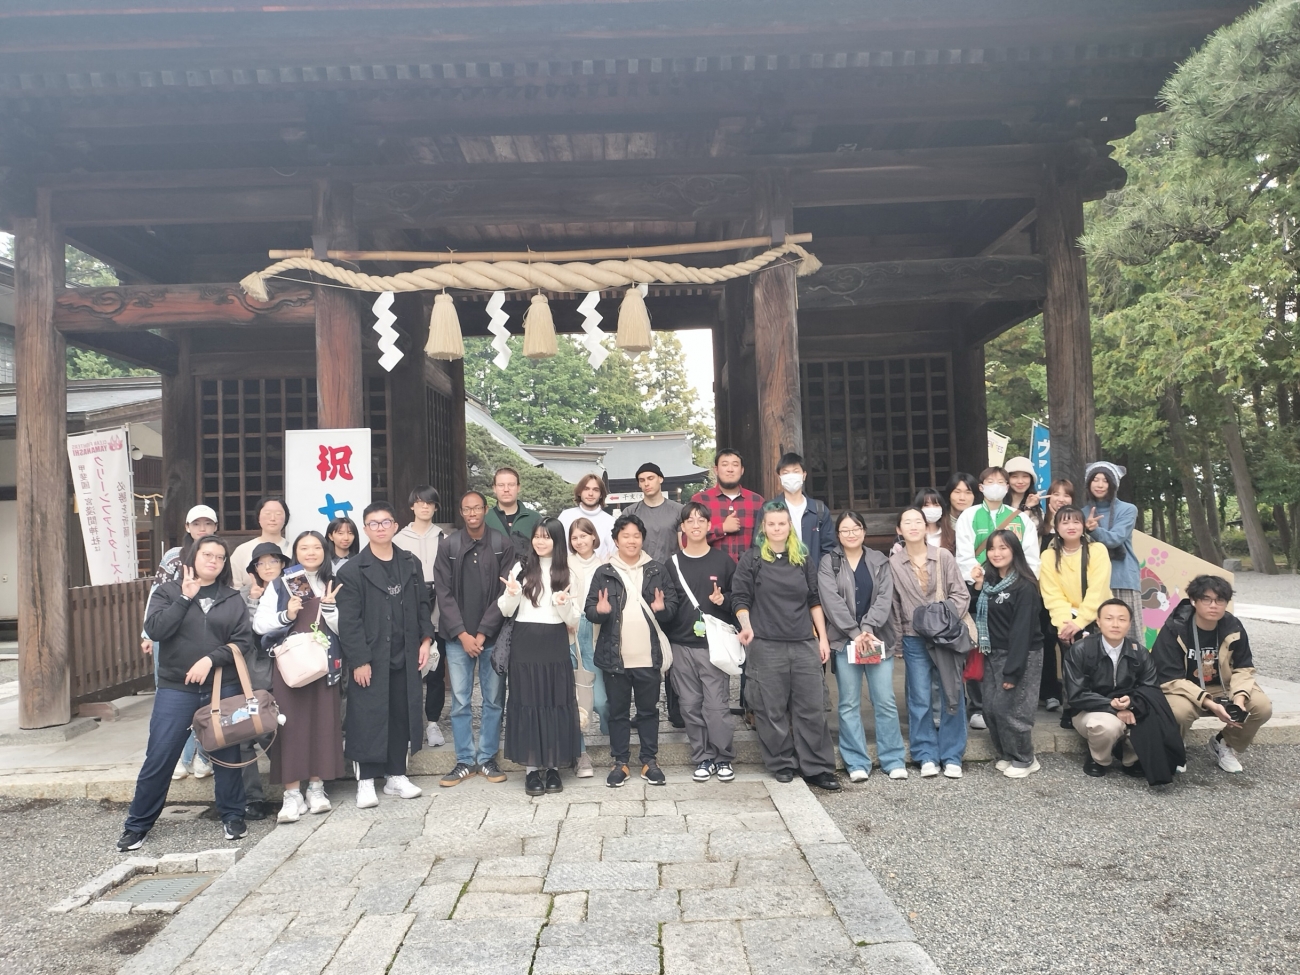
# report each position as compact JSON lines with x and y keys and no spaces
{"x":101,"y":482}
{"x":326,"y":476}
{"x":997,"y":448}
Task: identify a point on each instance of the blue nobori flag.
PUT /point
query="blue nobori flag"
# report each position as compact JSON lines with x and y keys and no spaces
{"x":1040,"y":453}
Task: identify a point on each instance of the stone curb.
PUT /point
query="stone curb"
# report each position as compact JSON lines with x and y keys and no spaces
{"x":885,"y":940}
{"x":169,"y":863}
{"x":168,"y":949}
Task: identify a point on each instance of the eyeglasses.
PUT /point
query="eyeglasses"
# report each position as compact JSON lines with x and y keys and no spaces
{"x":1212,"y":601}
{"x":377,"y":525}
{"x":478,"y":509}
{"x":851,"y":531}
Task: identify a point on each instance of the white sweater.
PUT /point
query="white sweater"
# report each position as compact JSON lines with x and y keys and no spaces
{"x":547,"y":610}
{"x":581,"y":572}
{"x":268,"y":617}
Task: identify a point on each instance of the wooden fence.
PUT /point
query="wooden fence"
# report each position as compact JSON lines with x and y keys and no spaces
{"x":104,"y":624}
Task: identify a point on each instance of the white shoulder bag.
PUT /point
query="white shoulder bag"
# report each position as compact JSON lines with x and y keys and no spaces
{"x":725,"y":650}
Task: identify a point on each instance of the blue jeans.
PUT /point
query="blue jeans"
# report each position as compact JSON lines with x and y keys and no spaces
{"x":947,"y":744}
{"x":169,"y":726}
{"x":461,"y":668}
{"x":880,"y":685}
{"x":587,"y":647}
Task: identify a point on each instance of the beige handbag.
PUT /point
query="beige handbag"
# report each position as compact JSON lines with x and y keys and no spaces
{"x":303,"y":657}
{"x":233,"y":720}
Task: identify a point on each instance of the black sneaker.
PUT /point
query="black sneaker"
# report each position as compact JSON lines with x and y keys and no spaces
{"x":236,"y":829}
{"x":457,"y":775}
{"x":491,"y":771}
{"x":553,"y":783}
{"x":617,"y":777}
{"x":254,"y":812}
{"x":724,"y":772}
{"x":129,"y":841}
{"x":533,"y":784}
{"x":653,"y":774}
{"x":785,"y":775}
{"x":827,"y":781}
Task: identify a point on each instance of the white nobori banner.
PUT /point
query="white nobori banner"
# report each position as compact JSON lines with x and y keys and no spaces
{"x":101,"y":483}
{"x":326,"y":476}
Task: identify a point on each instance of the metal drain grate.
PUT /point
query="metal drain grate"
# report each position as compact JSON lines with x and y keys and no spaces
{"x":148,"y":890}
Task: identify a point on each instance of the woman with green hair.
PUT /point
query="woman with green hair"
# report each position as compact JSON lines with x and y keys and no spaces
{"x":774,"y":593}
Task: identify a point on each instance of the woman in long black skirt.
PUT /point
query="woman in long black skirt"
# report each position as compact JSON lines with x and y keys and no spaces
{"x":542,"y":731}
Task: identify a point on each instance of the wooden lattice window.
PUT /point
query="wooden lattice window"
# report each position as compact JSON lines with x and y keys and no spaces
{"x":438,"y":407}
{"x":877,"y":430}
{"x":241,"y":440}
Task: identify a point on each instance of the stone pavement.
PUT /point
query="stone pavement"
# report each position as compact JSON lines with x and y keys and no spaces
{"x":721,"y":879}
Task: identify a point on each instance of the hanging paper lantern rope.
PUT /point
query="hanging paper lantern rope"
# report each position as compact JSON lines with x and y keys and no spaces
{"x":445,"y":341}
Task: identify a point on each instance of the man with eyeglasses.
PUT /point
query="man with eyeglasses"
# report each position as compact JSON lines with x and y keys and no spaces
{"x":385,"y":632}
{"x":468,"y":574}
{"x":1204,"y":666}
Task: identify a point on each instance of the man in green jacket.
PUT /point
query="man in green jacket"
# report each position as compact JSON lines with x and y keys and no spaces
{"x":509,"y":517}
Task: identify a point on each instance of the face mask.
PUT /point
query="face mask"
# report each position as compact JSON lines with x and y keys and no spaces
{"x":932,"y":514}
{"x":792,"y":482}
{"x":995,"y":492}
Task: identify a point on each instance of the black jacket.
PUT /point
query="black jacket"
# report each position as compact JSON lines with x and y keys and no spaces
{"x":1175,"y":641}
{"x":1090,"y":680}
{"x":449,"y":581}
{"x":608,"y":655}
{"x":1156,"y":738}
{"x":187,"y":633}
{"x":1013,"y":626}
{"x":367,"y":630}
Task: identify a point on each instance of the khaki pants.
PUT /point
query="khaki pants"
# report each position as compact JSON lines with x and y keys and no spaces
{"x":1102,"y":730}
{"x":1258,"y":712}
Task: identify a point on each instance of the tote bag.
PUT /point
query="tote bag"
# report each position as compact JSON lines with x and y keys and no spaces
{"x":236,"y":719}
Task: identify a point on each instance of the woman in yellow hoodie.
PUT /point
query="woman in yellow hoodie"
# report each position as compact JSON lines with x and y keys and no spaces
{"x":1074,"y":580}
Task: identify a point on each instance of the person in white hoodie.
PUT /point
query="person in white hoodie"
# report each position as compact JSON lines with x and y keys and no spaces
{"x":543,"y":732}
{"x":421,"y":538}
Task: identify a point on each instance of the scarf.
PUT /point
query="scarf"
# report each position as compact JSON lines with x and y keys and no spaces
{"x":982,"y":609}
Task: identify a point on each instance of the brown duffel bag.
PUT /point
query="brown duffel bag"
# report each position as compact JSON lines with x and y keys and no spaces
{"x":233,"y":720}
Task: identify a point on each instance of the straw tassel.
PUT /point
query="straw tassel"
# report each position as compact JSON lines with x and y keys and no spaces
{"x":539,"y":330}
{"x":634,"y":323}
{"x":445,"y":340}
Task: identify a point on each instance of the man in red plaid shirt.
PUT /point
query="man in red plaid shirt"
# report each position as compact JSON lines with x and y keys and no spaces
{"x":733,"y":511}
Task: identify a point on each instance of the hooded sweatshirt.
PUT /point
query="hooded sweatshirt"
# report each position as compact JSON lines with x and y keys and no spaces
{"x":425,"y":548}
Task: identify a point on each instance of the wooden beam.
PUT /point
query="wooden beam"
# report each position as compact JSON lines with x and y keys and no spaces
{"x":148,"y":306}
{"x":969,"y":411}
{"x":1011,"y":233}
{"x":338,"y":320}
{"x":138,"y":348}
{"x":1067,"y":330}
{"x":459,"y":450}
{"x":958,"y":279}
{"x":742,"y":380}
{"x":776,"y":338}
{"x":42,"y":471}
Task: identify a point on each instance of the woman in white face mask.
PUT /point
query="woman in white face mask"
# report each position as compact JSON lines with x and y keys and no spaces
{"x":938,"y":528}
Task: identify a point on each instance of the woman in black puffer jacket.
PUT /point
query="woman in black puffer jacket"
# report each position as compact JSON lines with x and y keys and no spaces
{"x":195,"y":620}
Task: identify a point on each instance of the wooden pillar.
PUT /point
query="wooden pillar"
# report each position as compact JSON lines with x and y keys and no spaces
{"x":44,"y":697}
{"x":338,"y":319}
{"x":459,"y":452}
{"x":408,"y":413}
{"x":721,"y":406}
{"x":1067,"y":329}
{"x":179,"y":442}
{"x":776,"y":336}
{"x":969,"y":410}
{"x":742,"y":382}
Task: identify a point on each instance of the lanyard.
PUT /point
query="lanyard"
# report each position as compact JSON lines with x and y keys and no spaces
{"x":1200,"y":654}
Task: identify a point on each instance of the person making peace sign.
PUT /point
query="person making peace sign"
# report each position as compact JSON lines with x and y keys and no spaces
{"x":310,"y":743}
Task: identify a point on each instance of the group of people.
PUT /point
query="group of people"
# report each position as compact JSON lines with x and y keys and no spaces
{"x":996,"y":604}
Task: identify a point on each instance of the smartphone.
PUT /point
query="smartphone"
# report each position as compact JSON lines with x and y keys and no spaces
{"x":1235,"y":711}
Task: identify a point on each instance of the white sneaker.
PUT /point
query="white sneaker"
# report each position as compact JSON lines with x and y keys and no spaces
{"x":180,"y":771}
{"x":200,"y":768}
{"x":434,"y":735}
{"x":1180,"y":769}
{"x":400,"y":785}
{"x":317,"y":801}
{"x":898,"y":773}
{"x":585,"y":770}
{"x":1053,"y":704}
{"x":977,"y":721}
{"x":859,"y":774}
{"x":952,"y":771}
{"x":1002,"y":764}
{"x":1015,"y":772}
{"x":929,"y":770}
{"x":290,"y":807}
{"x":366,"y":798}
{"x":1225,"y":755}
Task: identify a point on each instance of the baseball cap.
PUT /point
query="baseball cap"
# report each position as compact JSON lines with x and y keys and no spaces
{"x":200,"y":511}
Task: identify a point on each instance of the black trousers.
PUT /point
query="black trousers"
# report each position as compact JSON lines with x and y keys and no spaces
{"x":1049,"y":685}
{"x":399,"y":731}
{"x":639,"y":684}
{"x":435,"y":686}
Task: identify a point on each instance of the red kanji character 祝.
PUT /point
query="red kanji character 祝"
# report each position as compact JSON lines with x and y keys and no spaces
{"x":335,"y":462}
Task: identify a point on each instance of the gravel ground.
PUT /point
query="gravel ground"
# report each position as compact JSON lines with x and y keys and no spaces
{"x":1282,"y":589}
{"x":1276,"y":646}
{"x":1066,"y":874}
{"x":54,"y":846}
